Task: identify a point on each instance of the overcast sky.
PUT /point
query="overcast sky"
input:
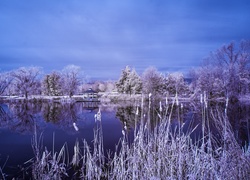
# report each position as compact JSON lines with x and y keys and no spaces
{"x":103,"y":36}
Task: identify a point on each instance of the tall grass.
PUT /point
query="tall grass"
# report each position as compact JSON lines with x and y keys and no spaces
{"x":47,"y":164}
{"x":158,"y":153}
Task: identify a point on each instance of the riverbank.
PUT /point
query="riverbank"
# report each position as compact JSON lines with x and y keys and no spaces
{"x":42,"y":98}
{"x":112,"y":97}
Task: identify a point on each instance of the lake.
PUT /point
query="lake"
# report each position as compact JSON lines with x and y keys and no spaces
{"x":60,"y":123}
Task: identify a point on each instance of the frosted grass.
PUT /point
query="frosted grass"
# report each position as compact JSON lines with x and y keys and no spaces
{"x":158,"y":153}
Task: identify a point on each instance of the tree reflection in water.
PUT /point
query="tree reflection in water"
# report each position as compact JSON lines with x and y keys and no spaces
{"x":188,"y":116}
{"x":52,"y":112}
{"x":25,"y":117}
{"x":21,"y":116}
{"x":239,"y":117}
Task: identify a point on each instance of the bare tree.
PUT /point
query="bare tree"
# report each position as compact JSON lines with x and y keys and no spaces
{"x":5,"y":81}
{"x":234,"y":63}
{"x":26,"y":80}
{"x":72,"y":77}
{"x":208,"y":79}
{"x":226,"y":70}
{"x":175,"y":84}
{"x":152,"y":81}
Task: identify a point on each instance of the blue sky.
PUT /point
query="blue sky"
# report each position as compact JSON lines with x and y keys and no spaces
{"x":103,"y":36}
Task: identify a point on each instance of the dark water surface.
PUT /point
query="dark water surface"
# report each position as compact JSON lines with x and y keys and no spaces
{"x":57,"y":123}
{"x":19,"y":121}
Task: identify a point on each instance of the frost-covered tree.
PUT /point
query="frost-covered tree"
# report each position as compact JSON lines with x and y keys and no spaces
{"x":226,"y":71}
{"x":26,"y":80}
{"x":5,"y":81}
{"x":208,"y":79}
{"x":98,"y":86}
{"x":234,"y":63}
{"x":175,"y":84}
{"x":72,"y":77}
{"x":129,"y":82}
{"x":52,"y":84}
{"x":120,"y":84}
{"x":133,"y":84}
{"x":110,"y":86}
{"x":152,"y":81}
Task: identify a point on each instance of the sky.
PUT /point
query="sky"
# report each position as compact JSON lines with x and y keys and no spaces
{"x":103,"y":36}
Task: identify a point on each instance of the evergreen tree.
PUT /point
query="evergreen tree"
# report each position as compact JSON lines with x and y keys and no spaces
{"x":129,"y":82}
{"x":121,"y":83}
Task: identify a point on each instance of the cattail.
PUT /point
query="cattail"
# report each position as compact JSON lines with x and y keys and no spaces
{"x":98,"y":115}
{"x":75,"y":126}
{"x":137,"y":111}
{"x":123,"y":132}
{"x":205,"y":99}
{"x":177,"y":100}
{"x":159,"y":115}
{"x":149,"y":97}
{"x":201,"y":99}
{"x":226,"y":105}
{"x":227,"y":102}
{"x":160,"y":107}
{"x":125,"y":126}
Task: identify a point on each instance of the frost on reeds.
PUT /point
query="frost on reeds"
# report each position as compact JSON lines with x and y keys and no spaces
{"x":47,"y":164}
{"x":158,"y":153}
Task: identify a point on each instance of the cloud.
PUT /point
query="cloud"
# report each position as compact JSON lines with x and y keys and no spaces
{"x":117,"y":33}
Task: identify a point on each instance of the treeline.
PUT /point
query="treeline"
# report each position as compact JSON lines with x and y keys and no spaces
{"x":225,"y":73}
{"x":70,"y":81}
{"x":27,"y":81}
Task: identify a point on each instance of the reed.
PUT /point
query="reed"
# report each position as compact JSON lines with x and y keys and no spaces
{"x":158,"y":153}
{"x":48,"y":164}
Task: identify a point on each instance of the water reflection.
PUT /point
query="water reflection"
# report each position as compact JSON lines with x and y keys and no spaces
{"x":53,"y":112}
{"x":76,"y":120}
{"x":239,"y":117}
{"x":127,"y":115}
{"x":19,"y":117}
{"x":188,"y":116}
{"x":64,"y":121}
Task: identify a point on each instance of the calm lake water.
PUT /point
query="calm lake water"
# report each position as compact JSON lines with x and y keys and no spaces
{"x":65,"y":123}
